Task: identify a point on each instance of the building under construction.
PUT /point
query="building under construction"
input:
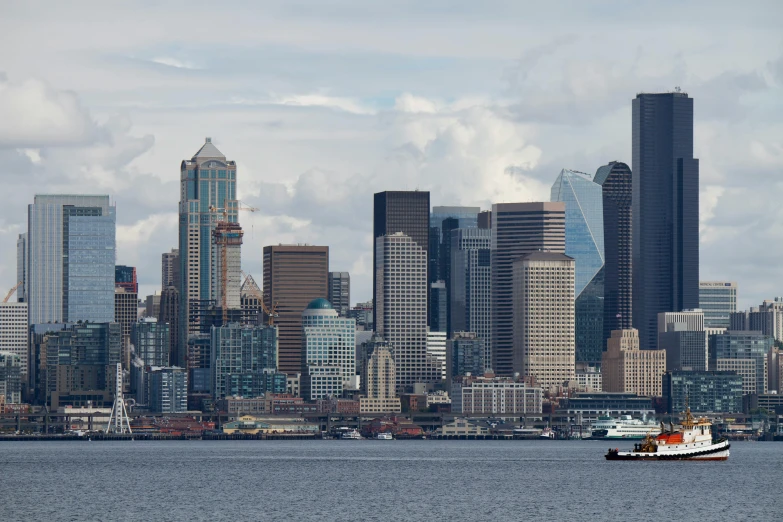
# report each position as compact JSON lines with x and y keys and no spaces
{"x":227,"y":263}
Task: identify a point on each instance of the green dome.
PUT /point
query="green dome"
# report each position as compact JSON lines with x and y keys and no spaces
{"x":320,"y":304}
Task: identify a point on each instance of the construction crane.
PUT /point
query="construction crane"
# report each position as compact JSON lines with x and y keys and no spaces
{"x":224,"y":235}
{"x":251,"y":286}
{"x":11,"y":291}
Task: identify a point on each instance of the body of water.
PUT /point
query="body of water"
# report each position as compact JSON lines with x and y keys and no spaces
{"x":379,"y":480}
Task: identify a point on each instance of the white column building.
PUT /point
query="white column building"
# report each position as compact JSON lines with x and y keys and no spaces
{"x":328,"y":351}
{"x":13,"y":331}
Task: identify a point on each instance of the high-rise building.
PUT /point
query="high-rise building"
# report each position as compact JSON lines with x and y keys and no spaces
{"x":125,"y":313}
{"x":718,"y":299}
{"x":745,"y":352}
{"x":543,"y":293}
{"x":207,"y":196}
{"x":683,"y":336}
{"x":518,"y":229}
{"x":226,"y":280}
{"x":21,"y":268}
{"x":152,"y":306}
{"x":294,"y":275}
{"x":151,"y":342}
{"x":168,"y":389}
{"x":169,"y":273}
{"x":584,"y":229}
{"x":485,"y":219}
{"x":471,"y":283}
{"x":381,"y":383}
{"x":767,"y":319}
{"x":169,"y":314}
{"x":13,"y":331}
{"x":407,"y":212}
{"x":702,"y":391}
{"x":617,"y":189}
{"x":363,"y":313}
{"x":328,"y":340}
{"x":665,"y":210}
{"x":465,"y":355}
{"x":436,"y":351}
{"x":401,"y":306}
{"x":438,"y":312}
{"x":125,"y":277}
{"x":340,"y":292}
{"x":627,"y":369}
{"x":70,"y":259}
{"x":243,"y":357}
{"x":10,"y":378}
{"x":692,"y":320}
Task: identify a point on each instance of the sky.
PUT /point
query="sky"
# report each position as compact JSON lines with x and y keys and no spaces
{"x":323,"y":103}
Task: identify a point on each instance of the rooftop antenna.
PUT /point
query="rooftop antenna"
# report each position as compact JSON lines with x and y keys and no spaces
{"x":118,"y":420}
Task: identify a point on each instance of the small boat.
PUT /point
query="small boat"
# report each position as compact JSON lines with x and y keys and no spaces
{"x":352,"y":435}
{"x":547,"y":433}
{"x":384,"y":436}
{"x":692,"y":442}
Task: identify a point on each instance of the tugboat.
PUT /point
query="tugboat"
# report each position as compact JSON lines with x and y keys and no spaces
{"x":692,"y":442}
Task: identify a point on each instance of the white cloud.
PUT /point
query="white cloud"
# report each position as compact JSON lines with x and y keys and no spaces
{"x":173,"y":62}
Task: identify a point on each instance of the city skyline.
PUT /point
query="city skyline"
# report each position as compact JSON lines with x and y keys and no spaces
{"x":554,"y":96}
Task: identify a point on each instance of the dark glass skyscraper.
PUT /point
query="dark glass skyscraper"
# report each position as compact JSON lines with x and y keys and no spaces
{"x":616,"y":185}
{"x":665,"y":210}
{"x":400,"y":211}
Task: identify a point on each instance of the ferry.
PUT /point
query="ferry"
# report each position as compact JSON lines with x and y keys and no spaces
{"x":692,"y":442}
{"x":352,"y":435}
{"x":384,"y":436}
{"x":547,"y":433}
{"x":623,"y":427}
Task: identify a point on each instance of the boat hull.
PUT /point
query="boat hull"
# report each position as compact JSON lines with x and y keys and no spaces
{"x":717,"y":451}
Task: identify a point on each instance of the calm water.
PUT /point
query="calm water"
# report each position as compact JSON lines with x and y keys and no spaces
{"x":379,"y":480}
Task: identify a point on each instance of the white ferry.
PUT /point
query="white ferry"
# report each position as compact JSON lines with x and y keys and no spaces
{"x":352,"y":435}
{"x":624,"y":427}
{"x":692,"y":442}
{"x":384,"y":436}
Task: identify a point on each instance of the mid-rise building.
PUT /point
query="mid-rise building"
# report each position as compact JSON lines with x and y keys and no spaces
{"x":617,"y":189}
{"x":471,"y":285}
{"x":465,"y":355}
{"x":627,"y":369}
{"x":588,"y":378}
{"x":70,"y":259}
{"x":381,"y":383}
{"x":169,"y":269}
{"x":767,"y":319}
{"x":294,"y":275}
{"x":518,"y":229}
{"x":543,"y":292}
{"x":328,"y":340}
{"x":665,"y":210}
{"x":477,"y":395}
{"x":702,"y":391}
{"x":168,"y":389}
{"x":340,"y":292}
{"x":584,"y":230}
{"x":745,"y":352}
{"x":718,"y":300}
{"x":436,"y":351}
{"x":10,"y":378}
{"x":240,"y":354}
{"x":13,"y":331}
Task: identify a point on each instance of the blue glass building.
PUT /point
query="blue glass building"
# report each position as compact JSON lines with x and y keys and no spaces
{"x":584,"y":230}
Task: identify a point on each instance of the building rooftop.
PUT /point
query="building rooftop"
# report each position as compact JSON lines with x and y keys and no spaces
{"x":547,"y":256}
{"x":320,"y":304}
{"x":208,"y":150}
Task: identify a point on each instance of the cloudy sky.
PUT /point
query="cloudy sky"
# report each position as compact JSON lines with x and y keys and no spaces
{"x":323,"y":103}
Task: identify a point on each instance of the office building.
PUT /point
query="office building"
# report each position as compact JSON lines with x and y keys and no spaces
{"x":169,"y":269}
{"x":684,"y":338}
{"x":207,"y":196}
{"x":70,"y":259}
{"x":328,"y":340}
{"x":702,"y":391}
{"x":767,"y":319}
{"x":363,"y":314}
{"x":471,"y":284}
{"x":125,"y":277}
{"x":543,"y":293}
{"x":199,"y":365}
{"x":168,"y":389}
{"x":381,"y":383}
{"x":691,"y":320}
{"x":584,"y":231}
{"x":10,"y":378}
{"x":438,"y":313}
{"x":13,"y":331}
{"x":405,"y":212}
{"x":240,"y":355}
{"x":485,"y":219}
{"x":294,"y":275}
{"x":21,"y":268}
{"x":169,"y":314}
{"x":401,"y":306}
{"x":126,"y":314}
{"x":745,"y":352}
{"x":590,"y":406}
{"x":627,"y":369}
{"x":478,"y":395}
{"x":665,"y":210}
{"x":340,"y":292}
{"x":465,"y":355}
{"x":81,"y":364}
{"x":617,"y":189}
{"x":151,"y":342}
{"x":518,"y":229}
{"x":436,"y":351}
{"x":152,"y":306}
{"x":718,"y":299}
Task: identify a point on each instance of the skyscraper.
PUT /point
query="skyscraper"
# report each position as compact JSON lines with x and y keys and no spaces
{"x":340,"y":292}
{"x":543,"y":318}
{"x":226,"y":280}
{"x":21,"y":267}
{"x":126,"y":313}
{"x":665,"y":210}
{"x":125,"y":277}
{"x":585,"y":244}
{"x":518,"y":229}
{"x":401,"y":211}
{"x":169,"y":269}
{"x":242,"y":359}
{"x":169,"y":314}
{"x":626,"y":369}
{"x":294,"y":275}
{"x":471,"y":284}
{"x":70,"y":259}
{"x":207,"y":187}
{"x":328,"y":340}
{"x":718,"y":299}
{"x":617,"y":188}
